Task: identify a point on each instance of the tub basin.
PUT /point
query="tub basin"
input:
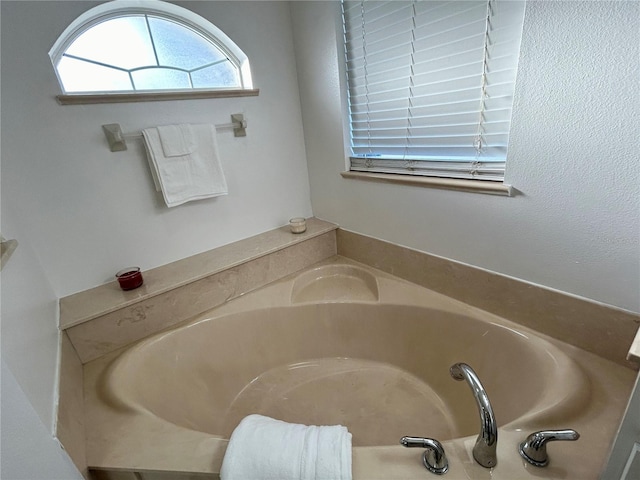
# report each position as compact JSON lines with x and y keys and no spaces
{"x":382,"y":370}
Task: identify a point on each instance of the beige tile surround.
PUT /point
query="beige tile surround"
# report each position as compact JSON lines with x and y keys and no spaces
{"x":606,"y":331}
{"x":103,"y":319}
{"x":98,"y":301}
{"x":115,"y":318}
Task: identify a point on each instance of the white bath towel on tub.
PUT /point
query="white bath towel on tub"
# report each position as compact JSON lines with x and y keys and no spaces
{"x":263,"y":448}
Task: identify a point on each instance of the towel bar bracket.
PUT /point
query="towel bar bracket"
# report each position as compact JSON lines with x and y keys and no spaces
{"x":240,"y":125}
{"x":114,"y":135}
{"x":117,"y":139}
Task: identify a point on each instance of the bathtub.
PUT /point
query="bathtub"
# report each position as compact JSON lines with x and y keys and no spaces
{"x":339,"y":344}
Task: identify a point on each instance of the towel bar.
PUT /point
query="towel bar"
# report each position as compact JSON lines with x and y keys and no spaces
{"x":117,"y":139}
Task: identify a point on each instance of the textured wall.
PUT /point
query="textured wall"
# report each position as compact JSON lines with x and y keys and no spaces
{"x":573,"y":156}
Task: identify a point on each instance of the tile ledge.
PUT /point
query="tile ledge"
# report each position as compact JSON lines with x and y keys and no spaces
{"x":602,"y":329}
{"x":92,"y":303}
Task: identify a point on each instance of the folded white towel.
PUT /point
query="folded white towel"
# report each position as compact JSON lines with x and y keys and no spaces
{"x":192,"y":176}
{"x":262,"y":448}
{"x":177,"y":140}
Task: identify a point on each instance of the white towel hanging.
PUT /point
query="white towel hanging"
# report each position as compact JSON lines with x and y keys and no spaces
{"x":191,"y":176}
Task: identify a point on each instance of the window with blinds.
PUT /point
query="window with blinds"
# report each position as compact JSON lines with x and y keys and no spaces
{"x":430,"y":85}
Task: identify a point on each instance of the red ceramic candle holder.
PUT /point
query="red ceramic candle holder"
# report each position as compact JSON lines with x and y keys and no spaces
{"x":129,"y":278}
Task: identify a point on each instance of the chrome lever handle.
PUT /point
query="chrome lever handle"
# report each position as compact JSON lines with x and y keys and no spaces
{"x":433,"y":458}
{"x":534,"y":448}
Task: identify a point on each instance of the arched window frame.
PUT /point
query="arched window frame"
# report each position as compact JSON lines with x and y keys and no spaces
{"x":179,"y":15}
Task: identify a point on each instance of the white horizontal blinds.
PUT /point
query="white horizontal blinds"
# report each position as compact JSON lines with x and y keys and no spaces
{"x":431,"y":85}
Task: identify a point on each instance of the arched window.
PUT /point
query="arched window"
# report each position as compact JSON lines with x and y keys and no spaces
{"x":131,"y":46}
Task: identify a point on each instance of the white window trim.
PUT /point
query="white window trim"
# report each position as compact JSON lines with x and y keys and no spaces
{"x":463,"y":185}
{"x":152,"y":96}
{"x":167,"y":10}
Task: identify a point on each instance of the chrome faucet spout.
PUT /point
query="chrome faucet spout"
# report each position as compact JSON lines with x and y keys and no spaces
{"x":484,"y":450}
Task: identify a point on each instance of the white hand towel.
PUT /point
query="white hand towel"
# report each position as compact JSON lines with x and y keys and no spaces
{"x":183,"y":178}
{"x":262,"y":448}
{"x":177,"y":140}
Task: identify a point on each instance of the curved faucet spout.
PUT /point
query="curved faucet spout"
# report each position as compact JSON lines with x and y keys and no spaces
{"x":484,"y":451}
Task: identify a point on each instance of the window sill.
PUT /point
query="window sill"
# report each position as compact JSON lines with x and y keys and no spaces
{"x":84,"y":99}
{"x":472,"y":186}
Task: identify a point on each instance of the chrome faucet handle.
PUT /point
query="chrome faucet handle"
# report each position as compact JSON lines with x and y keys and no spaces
{"x":433,"y":458}
{"x":534,"y":448}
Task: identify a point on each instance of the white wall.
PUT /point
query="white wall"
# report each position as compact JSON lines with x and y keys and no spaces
{"x":90,"y":212}
{"x":573,"y":155}
{"x":29,"y":311}
{"x":29,"y":452}
{"x":29,"y":335}
{"x":80,"y":212}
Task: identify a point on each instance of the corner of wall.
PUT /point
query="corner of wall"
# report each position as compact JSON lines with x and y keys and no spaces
{"x":69,"y":416}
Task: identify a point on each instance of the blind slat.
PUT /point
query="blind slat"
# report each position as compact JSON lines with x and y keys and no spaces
{"x":428,"y":142}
